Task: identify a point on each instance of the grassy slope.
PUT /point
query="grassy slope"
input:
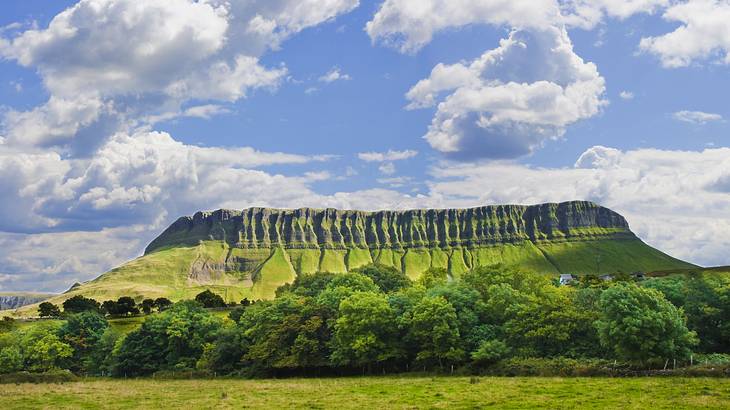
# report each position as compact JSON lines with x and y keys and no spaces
{"x":166,"y":273}
{"x":376,"y":392}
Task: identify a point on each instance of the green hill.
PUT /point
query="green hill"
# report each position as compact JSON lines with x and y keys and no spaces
{"x":250,"y":253}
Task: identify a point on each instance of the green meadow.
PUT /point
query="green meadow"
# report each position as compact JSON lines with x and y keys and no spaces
{"x":376,"y":392}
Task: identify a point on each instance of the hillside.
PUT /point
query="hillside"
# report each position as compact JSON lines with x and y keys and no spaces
{"x":250,"y":253}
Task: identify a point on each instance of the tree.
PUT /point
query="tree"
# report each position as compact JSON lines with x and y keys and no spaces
{"x":288,"y":332}
{"x":640,"y":324}
{"x":111,"y":308}
{"x":78,"y":304}
{"x":11,"y":359}
{"x":245,"y":302}
{"x":210,"y":300}
{"x":366,"y":331}
{"x":387,"y":278}
{"x":48,"y":309}
{"x":100,"y":358}
{"x":490,"y":351}
{"x":162,"y":304}
{"x":433,"y":277}
{"x":434,"y":328}
{"x":173,"y":339}
{"x":48,"y":352}
{"x":147,"y":306}
{"x":7,"y":324}
{"x":127,"y":305}
{"x":82,"y":331}
{"x":344,"y":285}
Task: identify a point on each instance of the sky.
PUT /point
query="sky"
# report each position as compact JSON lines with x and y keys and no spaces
{"x":119,"y":116}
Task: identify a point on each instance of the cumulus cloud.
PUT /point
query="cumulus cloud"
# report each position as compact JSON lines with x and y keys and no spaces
{"x":510,"y":100}
{"x":108,"y":64}
{"x":626,"y":95}
{"x":390,"y":155}
{"x":136,"y":179}
{"x":409,"y":25}
{"x":696,"y":117}
{"x":703,"y":34}
{"x":334,"y":75}
{"x":588,"y":14}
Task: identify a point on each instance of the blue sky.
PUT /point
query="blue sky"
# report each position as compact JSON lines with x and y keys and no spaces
{"x":116,"y":116}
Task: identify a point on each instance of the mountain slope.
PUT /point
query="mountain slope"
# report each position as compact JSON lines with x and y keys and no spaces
{"x":250,"y":253}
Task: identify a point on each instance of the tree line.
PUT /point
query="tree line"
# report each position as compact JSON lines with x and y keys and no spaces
{"x":376,"y":319}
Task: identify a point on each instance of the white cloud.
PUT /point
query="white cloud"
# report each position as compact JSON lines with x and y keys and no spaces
{"x":136,"y":179}
{"x":409,"y":25}
{"x":696,"y":117}
{"x":387,"y":168}
{"x":703,"y":34}
{"x":115,"y":63}
{"x":334,"y":75}
{"x":626,"y":95}
{"x":205,"y":111}
{"x":395,"y":182}
{"x":588,"y":14}
{"x":390,"y":155}
{"x":510,"y":100}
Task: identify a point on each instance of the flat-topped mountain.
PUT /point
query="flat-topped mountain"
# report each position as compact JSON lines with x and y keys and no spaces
{"x":420,"y":228}
{"x":250,"y":253}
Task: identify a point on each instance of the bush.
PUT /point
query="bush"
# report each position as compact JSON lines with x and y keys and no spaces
{"x":51,"y":376}
{"x":210,"y":300}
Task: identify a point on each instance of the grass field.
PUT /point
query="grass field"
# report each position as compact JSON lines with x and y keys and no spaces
{"x":375,"y":392}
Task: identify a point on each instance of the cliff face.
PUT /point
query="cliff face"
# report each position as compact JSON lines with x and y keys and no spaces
{"x":11,"y":301}
{"x":307,"y":228}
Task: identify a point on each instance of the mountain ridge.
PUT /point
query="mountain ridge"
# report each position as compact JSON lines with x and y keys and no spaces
{"x":331,"y":228}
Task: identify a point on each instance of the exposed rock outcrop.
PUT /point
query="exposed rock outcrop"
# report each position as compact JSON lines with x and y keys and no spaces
{"x":308,"y":228}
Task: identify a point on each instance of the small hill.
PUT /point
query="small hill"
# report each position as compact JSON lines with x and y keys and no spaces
{"x":250,"y":253}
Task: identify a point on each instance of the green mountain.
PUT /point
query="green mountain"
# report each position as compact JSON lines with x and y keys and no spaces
{"x":250,"y":253}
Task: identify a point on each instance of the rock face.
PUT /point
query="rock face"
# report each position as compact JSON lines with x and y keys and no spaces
{"x":14,"y":301}
{"x":306,"y":228}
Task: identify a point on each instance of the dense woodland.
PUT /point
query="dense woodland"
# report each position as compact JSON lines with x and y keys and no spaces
{"x":376,"y":320}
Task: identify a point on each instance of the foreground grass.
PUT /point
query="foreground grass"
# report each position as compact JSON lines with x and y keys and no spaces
{"x":375,"y":392}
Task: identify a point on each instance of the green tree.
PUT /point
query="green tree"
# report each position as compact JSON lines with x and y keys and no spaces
{"x":640,"y":324}
{"x":344,"y":285}
{"x":7,"y":324}
{"x":100,"y":359}
{"x":48,"y":309}
{"x":147,"y":306}
{"x":173,"y":339}
{"x":366,"y":331}
{"x":11,"y":359}
{"x":162,"y":304}
{"x":47,"y":353}
{"x":210,"y":300}
{"x":434,"y":277}
{"x":387,"y":278}
{"x":490,"y":351}
{"x":434,"y":328}
{"x":78,"y":304}
{"x":127,"y":306}
{"x":82,"y":331}
{"x":288,"y":332}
